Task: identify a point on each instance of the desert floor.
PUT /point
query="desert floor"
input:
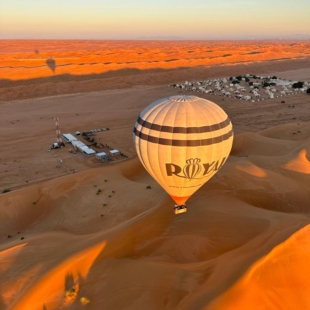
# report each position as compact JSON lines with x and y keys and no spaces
{"x":243,"y":244}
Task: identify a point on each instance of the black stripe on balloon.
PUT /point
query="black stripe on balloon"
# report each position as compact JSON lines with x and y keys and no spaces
{"x":189,"y":143}
{"x":170,"y":129}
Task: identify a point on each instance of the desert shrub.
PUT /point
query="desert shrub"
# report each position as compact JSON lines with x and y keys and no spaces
{"x":239,"y":77}
{"x":230,"y":79}
{"x":34,"y":203}
{"x":71,"y":294}
{"x":235,"y":82}
{"x":274,"y":77}
{"x":148,"y":187}
{"x":84,"y":300}
{"x":282,"y":101}
{"x":250,"y":83}
{"x":298,"y":85}
{"x":308,"y":91}
{"x":247,"y":79}
{"x":6,"y":190}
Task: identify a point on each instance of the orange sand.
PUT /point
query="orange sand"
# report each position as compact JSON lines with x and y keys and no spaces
{"x":243,"y":244}
{"x":61,"y":67}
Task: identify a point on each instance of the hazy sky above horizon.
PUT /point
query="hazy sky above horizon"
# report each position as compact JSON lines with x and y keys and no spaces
{"x":160,"y":19}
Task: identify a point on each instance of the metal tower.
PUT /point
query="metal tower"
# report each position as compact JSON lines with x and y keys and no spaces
{"x":59,"y":141}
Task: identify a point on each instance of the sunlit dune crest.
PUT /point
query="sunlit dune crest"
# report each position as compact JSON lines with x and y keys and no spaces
{"x":252,"y":170}
{"x":50,"y":288}
{"x":301,"y":163}
{"x":279,"y":280}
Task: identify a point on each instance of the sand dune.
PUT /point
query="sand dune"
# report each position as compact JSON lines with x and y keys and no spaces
{"x":274,"y":281}
{"x":245,"y":235}
{"x":244,"y":242}
{"x":89,"y":65}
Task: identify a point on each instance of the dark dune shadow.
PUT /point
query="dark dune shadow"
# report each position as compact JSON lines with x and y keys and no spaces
{"x":83,"y":77}
{"x":253,"y":53}
{"x":51,"y":63}
{"x":69,"y":282}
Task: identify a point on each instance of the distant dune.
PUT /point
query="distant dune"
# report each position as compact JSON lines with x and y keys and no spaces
{"x":39,"y":62}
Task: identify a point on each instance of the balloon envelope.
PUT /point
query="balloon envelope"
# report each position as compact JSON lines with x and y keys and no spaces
{"x":182,"y":141}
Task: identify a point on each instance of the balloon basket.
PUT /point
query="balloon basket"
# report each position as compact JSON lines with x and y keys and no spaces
{"x":180,"y":209}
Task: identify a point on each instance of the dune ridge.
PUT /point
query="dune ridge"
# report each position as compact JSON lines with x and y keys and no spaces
{"x":81,"y":66}
{"x":127,"y":249}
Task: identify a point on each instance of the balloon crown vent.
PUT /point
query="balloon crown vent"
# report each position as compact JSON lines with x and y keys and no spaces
{"x":183,"y":98}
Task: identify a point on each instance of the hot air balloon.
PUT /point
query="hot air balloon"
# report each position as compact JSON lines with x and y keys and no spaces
{"x":182,"y":141}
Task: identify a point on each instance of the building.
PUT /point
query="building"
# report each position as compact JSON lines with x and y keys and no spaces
{"x":103,"y":157}
{"x":102,"y":154}
{"x":82,"y":147}
{"x":88,"y":151}
{"x":115,"y":153}
{"x":68,"y":138}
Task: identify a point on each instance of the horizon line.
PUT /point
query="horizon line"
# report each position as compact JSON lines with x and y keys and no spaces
{"x":156,"y":39}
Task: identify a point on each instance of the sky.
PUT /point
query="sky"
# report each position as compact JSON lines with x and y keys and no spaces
{"x":156,"y":19}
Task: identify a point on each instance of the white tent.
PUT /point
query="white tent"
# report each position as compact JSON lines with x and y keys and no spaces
{"x":68,"y":137}
{"x":100,"y":155}
{"x":87,"y":150}
{"x":115,"y":152}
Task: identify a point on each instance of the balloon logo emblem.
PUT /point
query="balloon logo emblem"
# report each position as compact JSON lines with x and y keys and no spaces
{"x":192,"y":168}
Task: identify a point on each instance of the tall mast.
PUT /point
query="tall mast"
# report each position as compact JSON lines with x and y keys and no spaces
{"x":59,"y":141}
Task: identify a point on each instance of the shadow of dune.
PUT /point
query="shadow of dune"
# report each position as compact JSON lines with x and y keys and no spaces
{"x":83,"y":77}
{"x":69,"y":281}
{"x":128,"y":77}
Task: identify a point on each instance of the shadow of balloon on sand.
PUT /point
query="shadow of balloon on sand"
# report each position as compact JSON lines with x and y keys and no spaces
{"x":51,"y":63}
